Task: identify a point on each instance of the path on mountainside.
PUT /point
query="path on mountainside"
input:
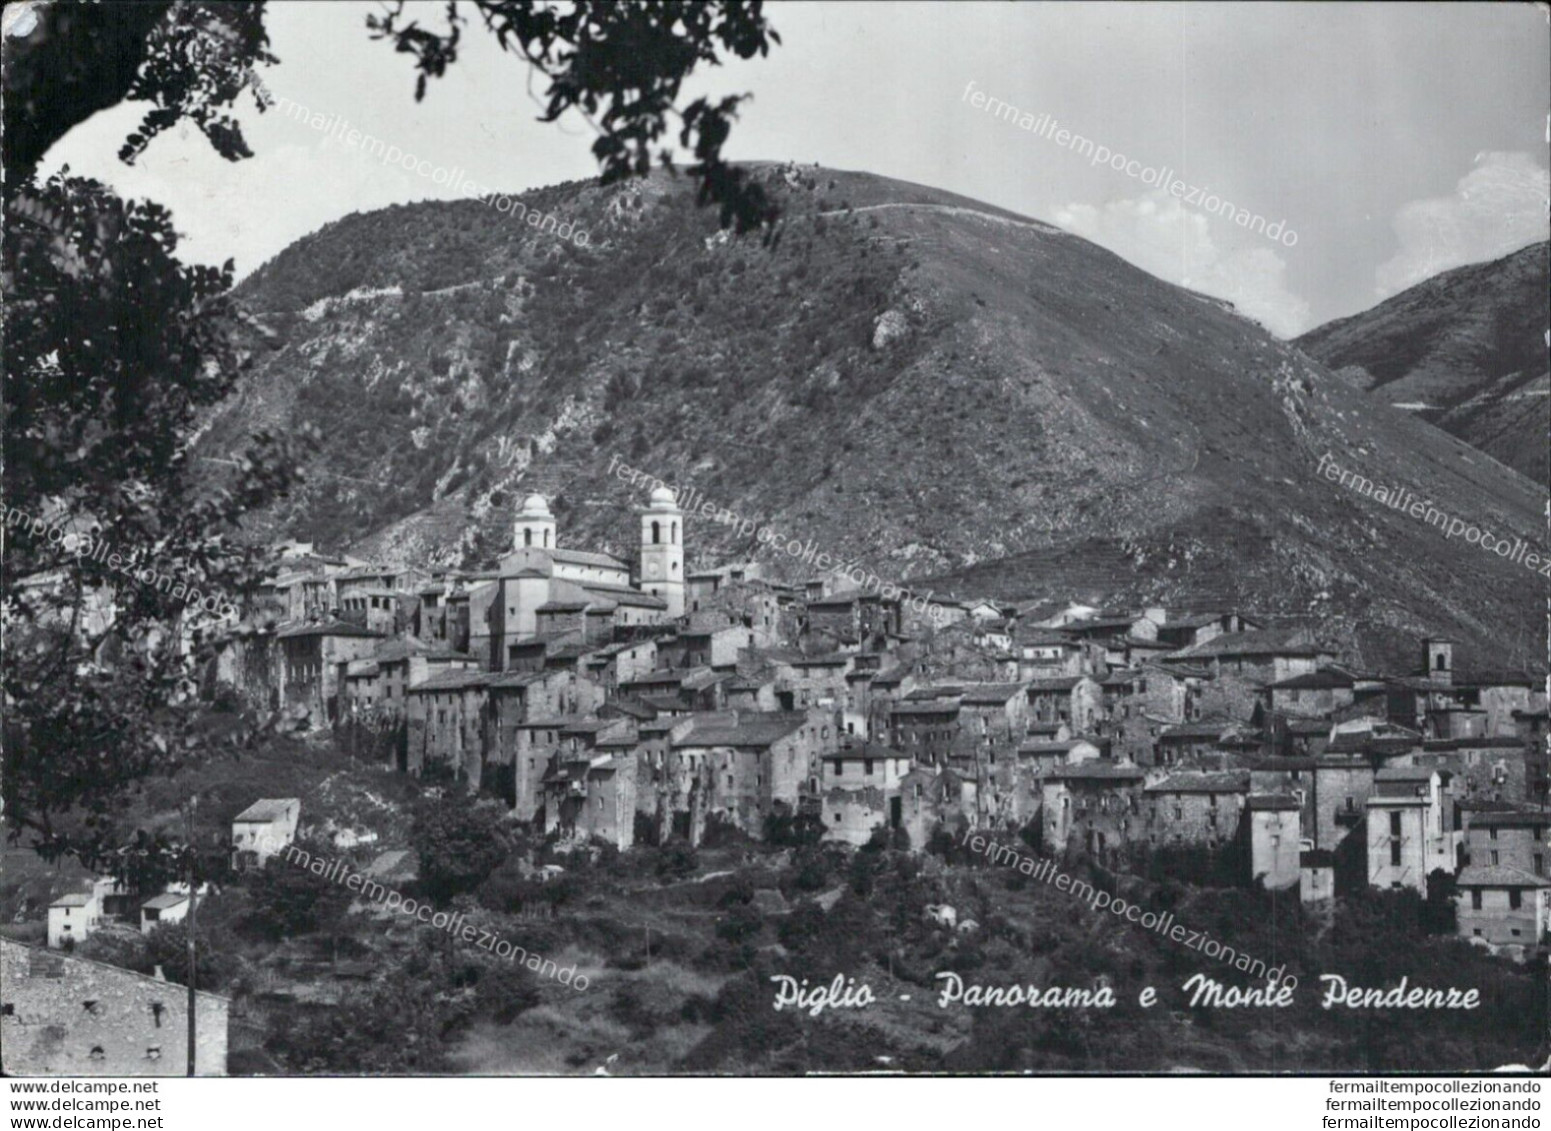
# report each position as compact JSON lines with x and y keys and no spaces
{"x":952,"y":210}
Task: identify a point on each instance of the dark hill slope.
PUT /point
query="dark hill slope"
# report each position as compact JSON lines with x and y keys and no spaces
{"x":911,"y":380}
{"x":1465,"y":350}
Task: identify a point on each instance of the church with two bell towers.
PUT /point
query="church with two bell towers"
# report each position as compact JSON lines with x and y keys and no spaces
{"x":544,"y":591}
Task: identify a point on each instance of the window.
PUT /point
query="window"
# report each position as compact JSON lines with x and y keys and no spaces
{"x":1351,"y":803}
{"x":1491,"y":834}
{"x":1515,"y":898}
{"x":1394,"y":824}
{"x":1540,"y":864}
{"x":1394,"y":853}
{"x":1495,"y":860}
{"x":1475,"y":901}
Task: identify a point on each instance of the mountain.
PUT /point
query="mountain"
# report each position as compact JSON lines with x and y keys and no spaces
{"x":1465,"y":350}
{"x":936,"y":389}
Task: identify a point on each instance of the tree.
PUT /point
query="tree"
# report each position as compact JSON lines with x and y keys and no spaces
{"x":630,"y":61}
{"x":289,"y":900}
{"x":459,"y":844}
{"x":167,"y":945}
{"x":114,"y":347}
{"x":504,"y":991}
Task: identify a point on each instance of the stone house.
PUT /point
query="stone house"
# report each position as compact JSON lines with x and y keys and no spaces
{"x":313,"y":660}
{"x":513,"y":701}
{"x":1094,"y":806}
{"x":448,"y":724}
{"x":1076,"y":700}
{"x":1508,"y":838}
{"x":1504,"y":907}
{"x":927,"y":726}
{"x":932,"y":799}
{"x":592,"y":796}
{"x":1256,"y":657}
{"x":860,"y":784}
{"x":380,"y":610}
{"x":746,"y":768}
{"x":1204,"y":809}
{"x":1199,"y":628}
{"x":1313,"y":695}
{"x":536,"y":743}
{"x":70,"y":1016}
{"x":705,"y":647}
{"x":1182,"y":743}
{"x":1049,"y":654}
{"x":1486,"y":768}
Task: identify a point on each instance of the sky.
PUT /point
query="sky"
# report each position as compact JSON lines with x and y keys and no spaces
{"x":1391,"y":141}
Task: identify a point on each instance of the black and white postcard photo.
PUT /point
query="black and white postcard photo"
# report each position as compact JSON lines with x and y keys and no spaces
{"x":721,"y":542}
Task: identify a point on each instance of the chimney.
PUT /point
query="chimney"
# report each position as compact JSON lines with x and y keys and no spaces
{"x":159,"y":974}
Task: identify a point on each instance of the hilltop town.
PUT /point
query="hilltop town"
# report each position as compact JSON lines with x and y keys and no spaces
{"x":633,"y":703}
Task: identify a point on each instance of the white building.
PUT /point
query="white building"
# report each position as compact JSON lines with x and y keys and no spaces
{"x":72,"y":917}
{"x":263,"y":829}
{"x":169,"y":907}
{"x":1408,"y":828}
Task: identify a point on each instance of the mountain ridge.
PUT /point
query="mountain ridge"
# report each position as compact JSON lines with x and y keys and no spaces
{"x":1465,"y":350}
{"x":934,"y":392}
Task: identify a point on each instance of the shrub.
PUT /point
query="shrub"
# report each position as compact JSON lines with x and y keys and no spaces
{"x":459,"y":844}
{"x":504,"y":992}
{"x":676,"y":861}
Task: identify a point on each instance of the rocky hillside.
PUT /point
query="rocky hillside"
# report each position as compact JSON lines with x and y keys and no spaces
{"x":933,"y":387}
{"x":1465,"y":350}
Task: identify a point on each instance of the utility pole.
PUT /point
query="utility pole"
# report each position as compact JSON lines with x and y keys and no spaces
{"x":193,"y":911}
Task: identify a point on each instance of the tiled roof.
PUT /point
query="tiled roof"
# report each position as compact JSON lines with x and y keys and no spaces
{"x":1315,"y":680}
{"x":985,"y":694}
{"x":622,"y":596}
{"x":930,"y":707}
{"x":1516,"y":819}
{"x":1061,"y":683}
{"x":1205,"y":728}
{"x":267,"y":809}
{"x":1405,"y":773}
{"x":1499,"y":877}
{"x":1048,"y":747}
{"x":1047,"y":637}
{"x":860,"y":751}
{"x":1098,"y":771}
{"x":332,"y":628}
{"x":583,"y":557}
{"x":1267,"y":643}
{"x":1273,"y":801}
{"x":750,"y":730}
{"x":73,"y":899}
{"x":451,"y":681}
{"x":1225,"y":781}
{"x":518,"y":679}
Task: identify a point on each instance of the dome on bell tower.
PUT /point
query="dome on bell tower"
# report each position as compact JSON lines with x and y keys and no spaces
{"x":535,"y":506}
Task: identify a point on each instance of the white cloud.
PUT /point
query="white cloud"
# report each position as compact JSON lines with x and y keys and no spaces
{"x":1497,"y":207}
{"x":1162,"y":236}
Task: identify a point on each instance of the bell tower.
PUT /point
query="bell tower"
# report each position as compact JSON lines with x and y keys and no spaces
{"x":535,"y":528}
{"x":662,"y":550}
